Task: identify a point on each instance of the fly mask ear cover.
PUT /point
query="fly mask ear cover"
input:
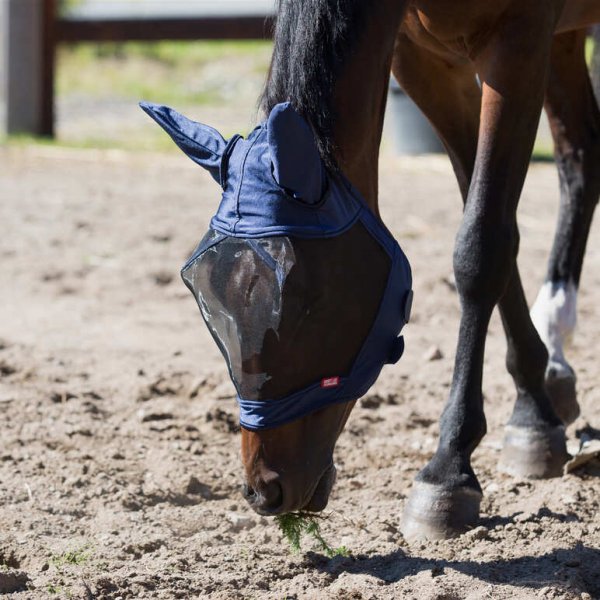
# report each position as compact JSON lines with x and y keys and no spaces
{"x":275,"y":189}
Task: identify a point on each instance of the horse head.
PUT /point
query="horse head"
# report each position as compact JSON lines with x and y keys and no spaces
{"x":304,"y":292}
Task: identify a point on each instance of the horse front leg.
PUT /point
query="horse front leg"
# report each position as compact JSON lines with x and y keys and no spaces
{"x":445,"y":497}
{"x":575,"y":122}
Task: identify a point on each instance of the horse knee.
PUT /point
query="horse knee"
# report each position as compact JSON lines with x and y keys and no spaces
{"x":483,"y":259}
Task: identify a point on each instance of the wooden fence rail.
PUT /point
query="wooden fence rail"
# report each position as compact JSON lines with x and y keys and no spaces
{"x":27,"y":103}
{"x":120,"y":30}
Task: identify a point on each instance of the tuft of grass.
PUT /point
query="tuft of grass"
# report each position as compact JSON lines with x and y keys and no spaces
{"x":53,"y":590}
{"x":72,"y":557}
{"x":153,"y":140}
{"x":294,"y":526}
{"x":68,"y":564}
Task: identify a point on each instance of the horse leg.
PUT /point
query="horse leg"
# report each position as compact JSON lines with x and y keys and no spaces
{"x":445,"y":497}
{"x":446,"y":90}
{"x":575,"y":123}
{"x":534,"y":443}
{"x":454,"y":112}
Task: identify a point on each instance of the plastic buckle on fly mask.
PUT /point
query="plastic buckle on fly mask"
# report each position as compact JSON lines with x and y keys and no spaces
{"x":398,"y":345}
{"x":408,"y":302}
{"x":397,"y":350}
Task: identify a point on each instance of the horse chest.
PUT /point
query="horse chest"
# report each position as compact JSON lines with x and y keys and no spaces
{"x":460,"y":28}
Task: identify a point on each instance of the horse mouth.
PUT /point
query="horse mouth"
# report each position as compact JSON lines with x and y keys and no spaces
{"x":320,"y":496}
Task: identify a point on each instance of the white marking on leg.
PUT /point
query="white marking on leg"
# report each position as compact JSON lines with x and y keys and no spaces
{"x":554,"y":315}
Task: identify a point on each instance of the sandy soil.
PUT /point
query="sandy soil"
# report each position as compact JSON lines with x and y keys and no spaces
{"x":119,"y":461}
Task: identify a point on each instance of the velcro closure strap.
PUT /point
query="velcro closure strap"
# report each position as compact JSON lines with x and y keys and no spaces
{"x":408,"y":302}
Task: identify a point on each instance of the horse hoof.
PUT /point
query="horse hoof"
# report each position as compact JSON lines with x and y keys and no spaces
{"x":561,"y":390}
{"x":534,"y":453}
{"x":434,"y":512}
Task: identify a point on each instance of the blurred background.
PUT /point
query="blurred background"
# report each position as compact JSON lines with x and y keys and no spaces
{"x":98,"y":83}
{"x":74,"y":70}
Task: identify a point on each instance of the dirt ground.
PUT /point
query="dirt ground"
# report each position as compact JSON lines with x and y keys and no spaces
{"x":119,"y":458}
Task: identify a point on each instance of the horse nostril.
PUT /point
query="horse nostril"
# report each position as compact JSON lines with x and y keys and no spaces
{"x":266,"y":499}
{"x":273,"y":496}
{"x":248,"y":492}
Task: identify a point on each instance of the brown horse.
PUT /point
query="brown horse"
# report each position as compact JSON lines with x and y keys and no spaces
{"x":480,"y":72}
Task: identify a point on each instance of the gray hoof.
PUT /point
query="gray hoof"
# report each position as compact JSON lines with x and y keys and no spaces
{"x":534,"y":453}
{"x":434,"y":512}
{"x":560,"y":387}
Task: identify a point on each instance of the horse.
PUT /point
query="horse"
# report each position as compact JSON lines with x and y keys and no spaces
{"x":304,"y":289}
{"x":481,"y":73}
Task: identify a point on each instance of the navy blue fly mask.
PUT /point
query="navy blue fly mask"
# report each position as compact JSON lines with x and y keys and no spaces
{"x":277,"y":199}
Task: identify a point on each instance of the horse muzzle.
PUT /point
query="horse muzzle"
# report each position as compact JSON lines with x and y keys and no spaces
{"x":271,"y":496}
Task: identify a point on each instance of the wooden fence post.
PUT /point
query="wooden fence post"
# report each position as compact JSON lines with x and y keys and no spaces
{"x":27,"y":67}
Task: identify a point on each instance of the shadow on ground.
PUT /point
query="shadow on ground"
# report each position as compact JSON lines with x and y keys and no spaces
{"x":577,"y":568}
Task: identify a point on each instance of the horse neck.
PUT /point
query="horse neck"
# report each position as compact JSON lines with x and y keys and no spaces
{"x":360,"y":100}
{"x":332,"y":61}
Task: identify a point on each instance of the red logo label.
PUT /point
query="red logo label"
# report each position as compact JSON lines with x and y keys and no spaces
{"x":330,"y":382}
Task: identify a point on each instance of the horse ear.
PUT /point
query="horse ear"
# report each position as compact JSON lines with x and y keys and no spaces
{"x":297,"y":164}
{"x":203,"y":144}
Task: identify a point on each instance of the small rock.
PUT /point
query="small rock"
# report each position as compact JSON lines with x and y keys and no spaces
{"x":266,"y":537}
{"x":196,"y":449}
{"x":239,"y":521}
{"x":479,"y":533}
{"x":138,"y":550}
{"x":492,"y":488}
{"x":6,"y":369}
{"x":196,"y":386}
{"x":61,"y":397}
{"x":161,"y":238}
{"x":567,"y":499}
{"x":524,"y":517}
{"x":160,"y":387}
{"x":157,"y":416}
{"x":162,"y":278}
{"x":573,"y":562}
{"x":450,"y":282}
{"x":372,"y":401}
{"x":437,"y":571}
{"x":433,"y":353}
{"x":223,"y":421}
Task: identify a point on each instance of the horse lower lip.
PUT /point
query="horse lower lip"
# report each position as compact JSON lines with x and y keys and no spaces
{"x":320,"y":496}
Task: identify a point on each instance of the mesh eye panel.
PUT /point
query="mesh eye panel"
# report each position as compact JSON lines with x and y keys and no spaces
{"x":286,"y":312}
{"x":238,"y":285}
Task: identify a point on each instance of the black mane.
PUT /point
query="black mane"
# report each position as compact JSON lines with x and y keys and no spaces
{"x":313,"y":39}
